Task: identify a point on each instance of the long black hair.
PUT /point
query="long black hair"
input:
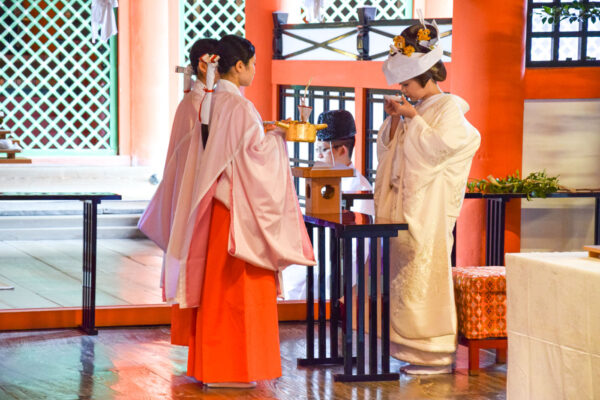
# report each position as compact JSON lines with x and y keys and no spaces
{"x":200,"y":48}
{"x":231,"y":49}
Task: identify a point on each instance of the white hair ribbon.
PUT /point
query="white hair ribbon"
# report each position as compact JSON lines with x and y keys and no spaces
{"x":212,"y":62}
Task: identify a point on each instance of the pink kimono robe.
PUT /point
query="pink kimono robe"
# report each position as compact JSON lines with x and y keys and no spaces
{"x":184,"y":148}
{"x":267,"y":228}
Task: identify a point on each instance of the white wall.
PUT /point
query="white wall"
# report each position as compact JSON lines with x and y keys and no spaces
{"x":562,"y":137}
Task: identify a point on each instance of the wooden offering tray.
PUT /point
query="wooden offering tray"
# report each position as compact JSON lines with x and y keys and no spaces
{"x":593,"y":251}
{"x":9,"y":155}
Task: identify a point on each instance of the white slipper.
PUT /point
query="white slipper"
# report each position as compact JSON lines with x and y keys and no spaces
{"x":231,"y":385}
{"x":412,"y":369}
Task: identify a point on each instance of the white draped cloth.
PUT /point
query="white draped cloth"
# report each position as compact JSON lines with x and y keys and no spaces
{"x":421,"y":180}
{"x":553,"y":320}
{"x":103,"y":18}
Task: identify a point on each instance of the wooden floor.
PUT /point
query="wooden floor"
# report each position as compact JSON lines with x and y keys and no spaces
{"x":142,"y":364}
{"x":47,"y":273}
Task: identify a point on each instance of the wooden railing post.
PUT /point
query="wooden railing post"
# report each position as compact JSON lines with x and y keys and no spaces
{"x":365,"y":15}
{"x":279,"y":18}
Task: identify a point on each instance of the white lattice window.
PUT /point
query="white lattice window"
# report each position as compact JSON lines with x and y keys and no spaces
{"x":561,"y":42}
{"x":58,"y":89}
{"x":345,"y":10}
{"x":211,"y":19}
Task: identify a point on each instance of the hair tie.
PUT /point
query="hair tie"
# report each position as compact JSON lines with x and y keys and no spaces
{"x":212,"y":61}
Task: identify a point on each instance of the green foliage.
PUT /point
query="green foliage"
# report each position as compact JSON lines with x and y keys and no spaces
{"x":536,"y":184}
{"x":575,"y":11}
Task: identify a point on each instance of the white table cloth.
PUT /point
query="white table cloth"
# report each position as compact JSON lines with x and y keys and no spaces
{"x":553,"y":320}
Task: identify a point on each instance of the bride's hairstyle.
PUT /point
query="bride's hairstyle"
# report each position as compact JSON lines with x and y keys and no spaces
{"x":437,"y":73}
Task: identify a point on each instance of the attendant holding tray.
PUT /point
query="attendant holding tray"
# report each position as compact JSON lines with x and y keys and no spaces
{"x":243,"y":226}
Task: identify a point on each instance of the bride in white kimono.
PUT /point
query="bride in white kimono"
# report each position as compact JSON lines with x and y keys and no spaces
{"x":424,"y":157}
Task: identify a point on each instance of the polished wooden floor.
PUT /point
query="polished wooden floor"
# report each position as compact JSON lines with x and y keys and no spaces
{"x":47,"y":273}
{"x":140,"y":363}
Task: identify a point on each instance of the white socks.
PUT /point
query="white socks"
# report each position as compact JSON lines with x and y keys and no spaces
{"x":412,"y":369}
{"x":231,"y":385}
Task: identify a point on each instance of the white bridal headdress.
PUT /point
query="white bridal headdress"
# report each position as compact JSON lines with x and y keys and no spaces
{"x":404,"y":62}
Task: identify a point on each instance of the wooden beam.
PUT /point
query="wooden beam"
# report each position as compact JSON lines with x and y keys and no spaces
{"x":562,"y":83}
{"x":107,"y":316}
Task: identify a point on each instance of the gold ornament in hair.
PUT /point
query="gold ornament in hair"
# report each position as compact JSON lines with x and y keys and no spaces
{"x":399,"y":42}
{"x":400,"y":46}
{"x":424,"y":34}
{"x":408,"y":50}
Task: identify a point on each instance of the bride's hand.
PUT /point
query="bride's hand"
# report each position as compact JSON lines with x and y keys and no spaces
{"x":397,"y":108}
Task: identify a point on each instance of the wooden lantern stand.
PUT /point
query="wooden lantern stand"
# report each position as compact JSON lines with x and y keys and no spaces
{"x":323,"y":188}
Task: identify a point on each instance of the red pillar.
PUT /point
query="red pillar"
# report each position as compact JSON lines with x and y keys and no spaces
{"x":259,"y":30}
{"x":150,"y":81}
{"x":488,"y":68}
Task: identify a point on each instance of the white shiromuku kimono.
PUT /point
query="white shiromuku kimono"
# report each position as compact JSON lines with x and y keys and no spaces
{"x":421,"y":180}
{"x":184,"y":147}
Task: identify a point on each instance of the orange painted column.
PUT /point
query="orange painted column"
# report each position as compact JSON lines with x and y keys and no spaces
{"x":488,"y":68}
{"x":259,"y":30}
{"x":149,"y":83}
{"x":359,"y":120}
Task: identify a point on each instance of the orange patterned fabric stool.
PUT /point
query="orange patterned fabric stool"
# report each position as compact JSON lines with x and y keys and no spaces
{"x":480,"y":295}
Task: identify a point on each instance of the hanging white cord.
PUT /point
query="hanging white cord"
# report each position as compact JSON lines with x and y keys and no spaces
{"x":212,"y":61}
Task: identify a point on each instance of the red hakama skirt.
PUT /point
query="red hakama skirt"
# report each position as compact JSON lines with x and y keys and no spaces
{"x":233,"y":336}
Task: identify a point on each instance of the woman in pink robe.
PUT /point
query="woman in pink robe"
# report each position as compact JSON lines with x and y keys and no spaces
{"x":183,"y":151}
{"x":243,"y":226}
{"x":157,"y":220}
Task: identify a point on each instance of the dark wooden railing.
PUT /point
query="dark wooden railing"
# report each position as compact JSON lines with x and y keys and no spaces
{"x":344,"y":229}
{"x":366,"y":24}
{"x":496,"y":216}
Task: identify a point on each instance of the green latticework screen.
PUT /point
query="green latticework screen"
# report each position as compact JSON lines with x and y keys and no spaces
{"x":345,"y":10}
{"x":57,"y":88}
{"x":211,"y":19}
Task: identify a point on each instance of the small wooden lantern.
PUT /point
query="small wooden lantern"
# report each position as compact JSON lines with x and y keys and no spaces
{"x":323,"y":188}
